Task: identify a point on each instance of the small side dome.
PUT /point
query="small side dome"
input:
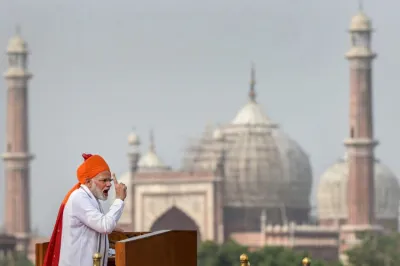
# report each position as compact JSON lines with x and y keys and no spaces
{"x":150,"y":161}
{"x":133,"y":139}
{"x":17,"y":45}
{"x":332,"y":192}
{"x":360,"y":22}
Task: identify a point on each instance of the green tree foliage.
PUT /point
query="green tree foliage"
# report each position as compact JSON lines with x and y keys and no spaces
{"x":211,"y":254}
{"x":22,"y":260}
{"x":382,"y":250}
{"x":18,"y":260}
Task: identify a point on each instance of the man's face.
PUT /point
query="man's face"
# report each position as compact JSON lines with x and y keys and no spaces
{"x":100,"y":185}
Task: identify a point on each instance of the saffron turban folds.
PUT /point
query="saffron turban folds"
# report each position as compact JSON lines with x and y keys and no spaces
{"x":91,"y":167}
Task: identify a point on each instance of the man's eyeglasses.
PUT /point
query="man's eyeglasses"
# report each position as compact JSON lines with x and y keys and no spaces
{"x":104,"y":181}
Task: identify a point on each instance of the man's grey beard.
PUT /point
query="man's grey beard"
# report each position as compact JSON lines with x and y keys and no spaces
{"x":98,"y":193}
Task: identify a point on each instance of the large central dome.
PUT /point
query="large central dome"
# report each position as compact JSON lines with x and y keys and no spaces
{"x":264,"y":168}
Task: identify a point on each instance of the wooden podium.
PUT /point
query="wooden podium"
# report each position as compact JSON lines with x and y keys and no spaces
{"x":167,"y":248}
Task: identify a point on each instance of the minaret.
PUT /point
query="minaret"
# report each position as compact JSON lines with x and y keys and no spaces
{"x":219,"y":180}
{"x":133,"y":153}
{"x":152,"y":145}
{"x":17,"y":156}
{"x":133,"y":157}
{"x":361,"y":143}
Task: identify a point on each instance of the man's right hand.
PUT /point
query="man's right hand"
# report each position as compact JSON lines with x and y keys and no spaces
{"x":120,"y":189}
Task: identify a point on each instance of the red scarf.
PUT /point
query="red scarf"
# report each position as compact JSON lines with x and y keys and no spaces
{"x":53,"y":249}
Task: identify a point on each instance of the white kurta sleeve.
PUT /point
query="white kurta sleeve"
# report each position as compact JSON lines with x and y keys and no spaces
{"x":90,"y":215}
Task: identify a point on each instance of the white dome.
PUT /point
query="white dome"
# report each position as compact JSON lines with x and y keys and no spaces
{"x":263,"y":166}
{"x":133,"y":139}
{"x":150,"y":162}
{"x":332,"y":192}
{"x":17,"y":45}
{"x":360,"y":22}
{"x":251,"y":114}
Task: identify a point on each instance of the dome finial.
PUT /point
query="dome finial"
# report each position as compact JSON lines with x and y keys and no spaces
{"x":152,"y":146}
{"x":360,"y":5}
{"x":252,"y":92}
{"x":18,"y":30}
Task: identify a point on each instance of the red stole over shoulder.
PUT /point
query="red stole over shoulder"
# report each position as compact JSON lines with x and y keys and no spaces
{"x":53,"y":250}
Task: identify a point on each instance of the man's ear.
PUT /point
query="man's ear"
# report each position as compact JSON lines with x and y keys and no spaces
{"x":88,"y":182}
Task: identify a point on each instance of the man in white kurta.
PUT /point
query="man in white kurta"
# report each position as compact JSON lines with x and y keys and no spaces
{"x":82,"y":227}
{"x":85,"y":228}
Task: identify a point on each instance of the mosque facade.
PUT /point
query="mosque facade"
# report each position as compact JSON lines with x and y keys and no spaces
{"x":249,"y":181}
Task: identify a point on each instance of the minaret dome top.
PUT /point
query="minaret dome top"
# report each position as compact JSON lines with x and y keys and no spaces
{"x":16,"y":44}
{"x":360,"y":22}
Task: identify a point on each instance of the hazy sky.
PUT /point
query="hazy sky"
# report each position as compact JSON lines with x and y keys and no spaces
{"x":102,"y":67}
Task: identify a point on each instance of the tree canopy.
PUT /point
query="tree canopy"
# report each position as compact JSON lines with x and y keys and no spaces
{"x":19,"y":260}
{"x":383,"y":250}
{"x":373,"y":250}
{"x":211,"y":254}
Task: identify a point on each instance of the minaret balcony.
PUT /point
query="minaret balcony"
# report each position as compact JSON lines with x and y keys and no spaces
{"x":360,"y":53}
{"x":360,"y":142}
{"x":17,"y":156}
{"x":16,"y":72}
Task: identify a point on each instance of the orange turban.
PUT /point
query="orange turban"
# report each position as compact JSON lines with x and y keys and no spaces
{"x":92,"y":166}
